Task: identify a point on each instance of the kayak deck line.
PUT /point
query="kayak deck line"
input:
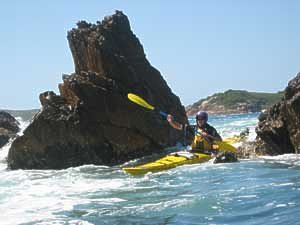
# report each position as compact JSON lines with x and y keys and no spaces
{"x":167,"y":162}
{"x":175,"y":159}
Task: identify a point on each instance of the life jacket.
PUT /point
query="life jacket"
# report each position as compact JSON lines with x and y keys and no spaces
{"x":200,"y":143}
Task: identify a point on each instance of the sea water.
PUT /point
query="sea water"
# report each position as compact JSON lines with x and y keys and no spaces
{"x":258,"y":191}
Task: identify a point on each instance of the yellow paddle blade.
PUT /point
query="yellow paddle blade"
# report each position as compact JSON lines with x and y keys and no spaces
{"x":223,"y":146}
{"x":138,"y":100}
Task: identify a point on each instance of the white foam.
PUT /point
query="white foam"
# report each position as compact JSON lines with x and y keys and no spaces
{"x":34,"y":195}
{"x":281,"y":205}
{"x":4,"y":150}
{"x":288,"y":159}
{"x":247,"y":196}
{"x":283,"y":184}
{"x":23,"y":125}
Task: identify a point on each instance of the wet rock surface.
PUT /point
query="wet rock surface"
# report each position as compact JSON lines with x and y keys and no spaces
{"x":226,"y":157}
{"x":91,"y":121}
{"x":278,"y":130}
{"x":9,"y":127}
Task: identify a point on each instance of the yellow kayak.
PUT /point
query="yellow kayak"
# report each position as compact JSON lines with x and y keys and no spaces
{"x":168,"y":162}
{"x":233,"y":140}
{"x":177,"y":159}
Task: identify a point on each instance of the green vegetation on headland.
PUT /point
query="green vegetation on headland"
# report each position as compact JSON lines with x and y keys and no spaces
{"x":24,"y":114}
{"x":235,"y":101}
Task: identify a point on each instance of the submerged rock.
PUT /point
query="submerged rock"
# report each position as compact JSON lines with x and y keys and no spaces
{"x":226,"y":157}
{"x":278,"y":130}
{"x":92,"y":121}
{"x":9,"y":127}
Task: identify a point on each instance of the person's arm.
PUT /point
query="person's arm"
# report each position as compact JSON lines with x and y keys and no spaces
{"x":173,"y":123}
{"x":214,"y":138}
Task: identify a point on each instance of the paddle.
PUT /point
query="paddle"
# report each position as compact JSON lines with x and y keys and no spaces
{"x":138,"y":100}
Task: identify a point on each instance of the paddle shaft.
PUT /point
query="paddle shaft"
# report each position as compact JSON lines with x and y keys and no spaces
{"x":138,"y":100}
{"x":163,"y":114}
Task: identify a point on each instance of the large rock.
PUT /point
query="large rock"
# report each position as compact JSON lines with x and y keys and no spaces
{"x":278,"y":130}
{"x":9,"y":127}
{"x":92,"y":121}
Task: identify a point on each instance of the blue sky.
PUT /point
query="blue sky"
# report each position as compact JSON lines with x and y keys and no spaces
{"x":200,"y":47}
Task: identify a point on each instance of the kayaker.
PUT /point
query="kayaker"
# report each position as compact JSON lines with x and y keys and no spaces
{"x":204,"y":134}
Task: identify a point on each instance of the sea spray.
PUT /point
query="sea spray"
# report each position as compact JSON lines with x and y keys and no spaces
{"x":261,"y":191}
{"x":4,"y":149}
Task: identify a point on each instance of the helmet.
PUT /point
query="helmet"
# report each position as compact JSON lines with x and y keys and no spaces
{"x":202,"y":115}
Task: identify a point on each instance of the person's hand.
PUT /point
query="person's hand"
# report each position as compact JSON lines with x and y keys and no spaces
{"x":170,"y":118}
{"x":204,"y":134}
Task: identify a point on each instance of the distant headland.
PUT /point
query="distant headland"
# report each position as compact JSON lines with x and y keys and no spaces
{"x":25,"y":114}
{"x":235,"y":101}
